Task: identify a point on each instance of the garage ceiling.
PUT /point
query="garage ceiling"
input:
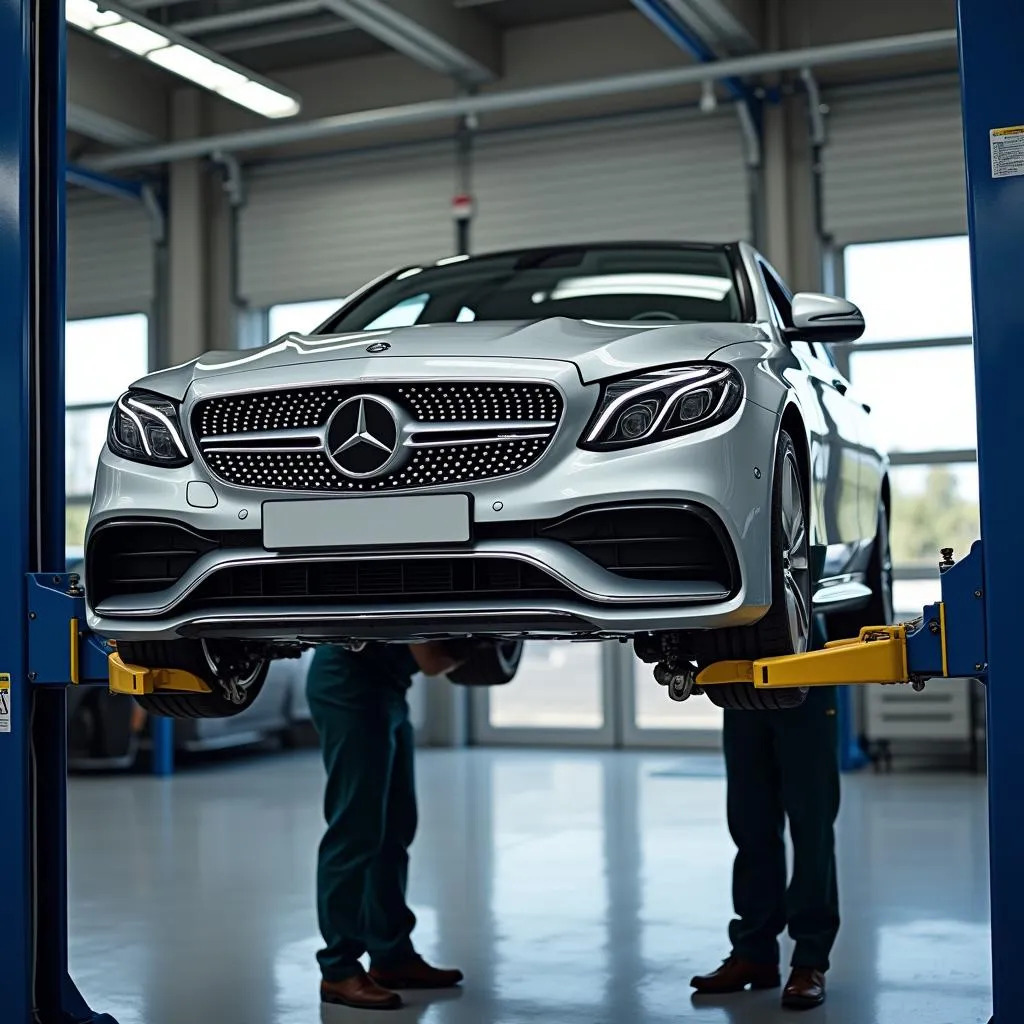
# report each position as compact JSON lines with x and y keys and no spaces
{"x":278,"y":34}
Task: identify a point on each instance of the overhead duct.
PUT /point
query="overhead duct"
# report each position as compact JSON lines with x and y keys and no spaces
{"x":461,"y":106}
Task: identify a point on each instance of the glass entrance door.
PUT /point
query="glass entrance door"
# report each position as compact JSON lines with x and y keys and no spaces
{"x":652,"y":719}
{"x":562,"y":696}
{"x":592,"y":694}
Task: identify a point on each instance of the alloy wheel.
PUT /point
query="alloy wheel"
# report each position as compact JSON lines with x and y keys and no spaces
{"x":796,"y":560}
{"x":238,"y":674}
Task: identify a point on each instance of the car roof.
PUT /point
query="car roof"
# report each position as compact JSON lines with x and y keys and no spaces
{"x":533,"y":252}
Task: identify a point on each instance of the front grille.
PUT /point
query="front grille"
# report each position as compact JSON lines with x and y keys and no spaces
{"x":429,"y":467}
{"x":376,"y":581}
{"x":460,"y":432}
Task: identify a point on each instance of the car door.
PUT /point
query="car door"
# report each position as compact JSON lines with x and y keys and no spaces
{"x":834,"y":422}
{"x":870,"y":461}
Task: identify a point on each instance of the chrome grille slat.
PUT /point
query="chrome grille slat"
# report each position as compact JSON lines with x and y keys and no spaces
{"x":243,"y":439}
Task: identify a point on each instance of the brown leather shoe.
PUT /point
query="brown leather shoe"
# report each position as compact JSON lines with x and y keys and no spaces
{"x":417,"y":973}
{"x":805,"y":989}
{"x":735,"y":975}
{"x":360,"y":992}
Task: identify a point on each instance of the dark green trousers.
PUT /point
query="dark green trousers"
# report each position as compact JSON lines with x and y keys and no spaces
{"x":784,"y":765}
{"x":370,"y":808}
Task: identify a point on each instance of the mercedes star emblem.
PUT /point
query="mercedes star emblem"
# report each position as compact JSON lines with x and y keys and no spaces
{"x":364,"y":436}
{"x":377,"y":347}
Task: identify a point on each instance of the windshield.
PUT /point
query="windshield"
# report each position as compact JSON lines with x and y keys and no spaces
{"x":634,"y":284}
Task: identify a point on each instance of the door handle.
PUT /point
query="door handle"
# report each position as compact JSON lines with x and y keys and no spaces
{"x":840,"y":386}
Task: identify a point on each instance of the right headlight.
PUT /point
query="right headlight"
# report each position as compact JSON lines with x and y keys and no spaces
{"x":661,"y":404}
{"x":144,"y":428}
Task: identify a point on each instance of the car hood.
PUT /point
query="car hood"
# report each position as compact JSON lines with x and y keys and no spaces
{"x":597,"y":350}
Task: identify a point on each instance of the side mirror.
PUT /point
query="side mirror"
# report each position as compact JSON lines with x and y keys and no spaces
{"x":825,"y":318}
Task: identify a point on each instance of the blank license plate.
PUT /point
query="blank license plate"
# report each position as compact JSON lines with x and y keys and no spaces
{"x":365,"y":522}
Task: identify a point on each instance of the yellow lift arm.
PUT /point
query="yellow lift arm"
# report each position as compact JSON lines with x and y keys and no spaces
{"x":878,"y":655}
{"x":947,"y":641}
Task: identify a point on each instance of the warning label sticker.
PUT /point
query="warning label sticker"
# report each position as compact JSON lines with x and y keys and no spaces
{"x":1007,"y":151}
{"x":5,"y":702}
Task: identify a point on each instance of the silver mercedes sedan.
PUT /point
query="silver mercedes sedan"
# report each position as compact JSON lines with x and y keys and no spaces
{"x":642,"y":441}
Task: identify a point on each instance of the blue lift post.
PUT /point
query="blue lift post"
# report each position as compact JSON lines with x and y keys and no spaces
{"x":993,"y":98}
{"x":35,"y":987}
{"x":161,"y":730}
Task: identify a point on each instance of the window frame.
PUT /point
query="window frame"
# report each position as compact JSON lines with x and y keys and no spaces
{"x":83,"y":500}
{"x":842,"y":352}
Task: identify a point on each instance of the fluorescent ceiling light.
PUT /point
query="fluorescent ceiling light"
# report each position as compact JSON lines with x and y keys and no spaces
{"x":125,"y":28}
{"x":261,"y":99}
{"x":197,"y":68}
{"x":686,"y":286}
{"x":85,"y":14}
{"x":136,"y":38}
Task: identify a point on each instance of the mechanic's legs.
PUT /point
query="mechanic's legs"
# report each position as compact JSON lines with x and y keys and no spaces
{"x":389,"y":921}
{"x":756,"y":823}
{"x":807,"y":740}
{"x":358,"y":745}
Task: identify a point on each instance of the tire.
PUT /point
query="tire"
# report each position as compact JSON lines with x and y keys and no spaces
{"x":879,"y":609}
{"x":489,"y":664}
{"x":191,"y":655}
{"x":786,"y":628}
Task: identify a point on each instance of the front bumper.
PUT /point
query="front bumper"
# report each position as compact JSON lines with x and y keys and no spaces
{"x":724,"y":471}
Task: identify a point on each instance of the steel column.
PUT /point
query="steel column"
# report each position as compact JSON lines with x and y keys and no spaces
{"x":34,"y":982}
{"x":990,"y":34}
{"x":16,"y":964}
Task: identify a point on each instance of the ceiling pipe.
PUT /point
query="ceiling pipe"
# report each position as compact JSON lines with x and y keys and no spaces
{"x":249,"y":17}
{"x":282,"y":32}
{"x":104,"y":184}
{"x":449,"y":109}
{"x":149,"y":5}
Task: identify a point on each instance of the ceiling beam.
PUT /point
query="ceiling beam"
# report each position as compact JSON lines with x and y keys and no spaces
{"x":432,"y":32}
{"x":105,"y":129}
{"x":248,"y":17}
{"x":731,"y":28}
{"x":151,"y":5}
{"x":274,"y":35}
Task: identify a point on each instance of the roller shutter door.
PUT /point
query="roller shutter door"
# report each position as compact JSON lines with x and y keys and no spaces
{"x":673,"y":176}
{"x":320,"y":228}
{"x":894,"y":163}
{"x":110,"y":257}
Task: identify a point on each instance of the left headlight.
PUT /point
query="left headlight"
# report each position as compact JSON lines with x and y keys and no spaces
{"x":145,"y":428}
{"x":662,"y":404}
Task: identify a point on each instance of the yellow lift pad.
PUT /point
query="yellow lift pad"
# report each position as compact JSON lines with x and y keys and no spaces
{"x":878,"y":655}
{"x":136,"y":681}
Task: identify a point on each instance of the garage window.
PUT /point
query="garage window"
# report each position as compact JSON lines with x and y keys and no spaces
{"x":103,"y":356}
{"x":916,"y":299}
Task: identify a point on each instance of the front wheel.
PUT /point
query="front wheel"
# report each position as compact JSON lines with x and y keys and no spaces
{"x":234,"y":673}
{"x":786,"y":628}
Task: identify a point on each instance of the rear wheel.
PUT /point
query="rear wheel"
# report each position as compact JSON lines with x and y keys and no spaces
{"x":234,"y":673}
{"x":491,"y":663}
{"x":786,"y":628}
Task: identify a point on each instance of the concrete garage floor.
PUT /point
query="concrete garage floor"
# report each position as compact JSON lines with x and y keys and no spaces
{"x":573,"y":888}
